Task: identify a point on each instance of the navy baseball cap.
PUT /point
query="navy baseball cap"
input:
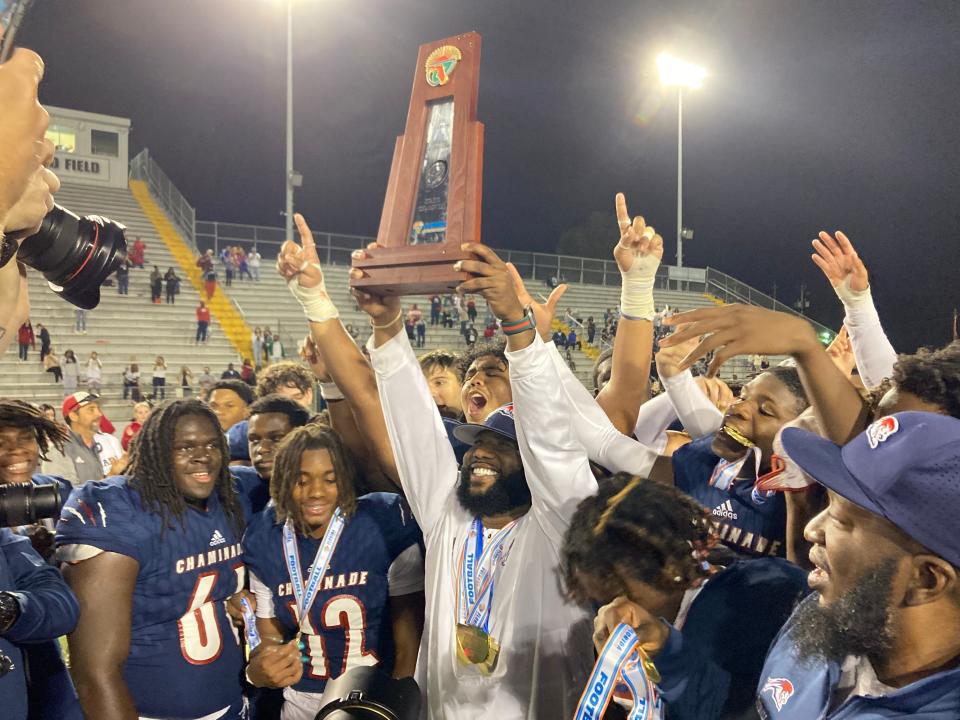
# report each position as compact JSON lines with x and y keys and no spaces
{"x":904,"y":467}
{"x":237,"y":440}
{"x":499,"y":421}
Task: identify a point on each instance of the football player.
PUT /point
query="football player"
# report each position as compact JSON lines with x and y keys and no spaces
{"x":152,"y":556}
{"x":342,"y":572}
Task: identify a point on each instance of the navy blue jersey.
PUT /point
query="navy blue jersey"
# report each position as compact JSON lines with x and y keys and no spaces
{"x":48,"y":609}
{"x":254,"y":489}
{"x":349,"y":623}
{"x":185,"y":658}
{"x":748,"y":522}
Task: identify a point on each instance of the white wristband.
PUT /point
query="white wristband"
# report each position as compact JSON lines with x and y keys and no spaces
{"x":636,"y":288}
{"x":850,"y":297}
{"x":330,"y":392}
{"x":316,"y":303}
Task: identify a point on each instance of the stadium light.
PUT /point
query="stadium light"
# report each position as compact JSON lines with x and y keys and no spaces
{"x":679,"y":74}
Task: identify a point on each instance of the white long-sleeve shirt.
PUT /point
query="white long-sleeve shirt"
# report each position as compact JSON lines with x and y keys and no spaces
{"x":546,"y":652}
{"x":872,"y":350}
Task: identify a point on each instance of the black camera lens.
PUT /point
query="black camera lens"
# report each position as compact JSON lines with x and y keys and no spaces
{"x":75,"y":255}
{"x":26,"y":503}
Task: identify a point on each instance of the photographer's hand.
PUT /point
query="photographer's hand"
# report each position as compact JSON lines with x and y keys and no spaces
{"x":25,"y":217}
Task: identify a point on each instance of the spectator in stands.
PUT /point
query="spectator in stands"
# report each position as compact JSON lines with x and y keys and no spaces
{"x":641,"y":549}
{"x":253,"y":262}
{"x":444,"y":376}
{"x":159,"y":379}
{"x":25,"y":340}
{"x":71,"y":372}
{"x":141,"y":411}
{"x":206,"y":380}
{"x":94,"y":373}
{"x":290,"y":379}
{"x":123,"y":278}
{"x":267,"y":346}
{"x":276,"y":349}
{"x":247,"y":372}
{"x":80,"y":323}
{"x":591,"y":330}
{"x":205,"y":263}
{"x":421,"y":333}
{"x":256,"y":340}
{"x":572,"y":341}
{"x":472,"y":310}
{"x":137,"y":252}
{"x":559,"y":339}
{"x":242,"y":267}
{"x":186,"y":381}
{"x":51,"y":364}
{"x":230,"y":373}
{"x":352,"y":332}
{"x":471,"y":335}
{"x":203,"y":322}
{"x":446,"y":319}
{"x":49,"y":411}
{"x":226,"y":258}
{"x":229,"y":400}
{"x":172,"y":283}
{"x":156,"y":285}
{"x":79,"y":461}
{"x":131,"y":382}
{"x":489,"y":331}
{"x":435,"y":305}
{"x":44,"y":336}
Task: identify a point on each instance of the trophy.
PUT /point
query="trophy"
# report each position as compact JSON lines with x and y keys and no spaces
{"x":432,"y":204}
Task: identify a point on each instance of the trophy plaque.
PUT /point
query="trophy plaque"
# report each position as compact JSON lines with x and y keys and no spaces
{"x":432,"y":204}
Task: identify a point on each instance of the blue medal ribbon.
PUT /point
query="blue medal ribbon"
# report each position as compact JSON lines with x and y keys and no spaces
{"x":476,"y":575}
{"x":306,"y":593}
{"x":620,"y":660}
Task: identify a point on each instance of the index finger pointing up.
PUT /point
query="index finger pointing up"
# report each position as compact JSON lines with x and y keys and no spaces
{"x":623,"y":218}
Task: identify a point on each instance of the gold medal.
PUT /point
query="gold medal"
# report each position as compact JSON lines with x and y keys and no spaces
{"x":477,"y":647}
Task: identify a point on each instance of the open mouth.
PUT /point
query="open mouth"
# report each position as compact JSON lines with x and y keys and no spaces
{"x":475,"y":404}
{"x":737,"y":436}
{"x":483,"y":474}
{"x":202,"y":477}
{"x":16,"y":468}
{"x":820,"y":575}
{"x":315,"y":509}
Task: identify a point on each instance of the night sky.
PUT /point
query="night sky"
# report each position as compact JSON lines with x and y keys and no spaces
{"x":816,"y":115}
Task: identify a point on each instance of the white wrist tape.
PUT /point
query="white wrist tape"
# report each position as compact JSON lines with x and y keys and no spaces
{"x":316,"y":303}
{"x":329,"y":391}
{"x":850,"y":297}
{"x":636,"y":288}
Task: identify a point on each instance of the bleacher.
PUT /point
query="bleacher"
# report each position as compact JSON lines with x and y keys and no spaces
{"x":123,"y":327}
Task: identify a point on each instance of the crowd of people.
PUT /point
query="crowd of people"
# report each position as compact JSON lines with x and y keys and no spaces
{"x":480,"y":520}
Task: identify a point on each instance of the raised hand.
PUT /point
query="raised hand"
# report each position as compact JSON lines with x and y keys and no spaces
{"x":493,"y":281}
{"x":733,"y":330}
{"x":310,"y":354}
{"x":639,"y":243}
{"x":381,"y":310}
{"x":25,"y":217}
{"x":717,"y":391}
{"x":669,"y":357}
{"x":543,"y":312}
{"x":23,"y":127}
{"x":299,"y":265}
{"x":840,"y":262}
{"x":841,"y":352}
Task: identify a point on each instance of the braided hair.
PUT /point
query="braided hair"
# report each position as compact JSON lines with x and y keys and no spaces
{"x":286,"y":472}
{"x":151,"y":470}
{"x":647,"y":531}
{"x":20,"y":414}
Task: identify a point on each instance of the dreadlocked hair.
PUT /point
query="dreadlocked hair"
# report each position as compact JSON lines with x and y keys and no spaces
{"x":286,"y":472}
{"x":637,"y":528}
{"x":496,"y":347}
{"x":151,"y":469}
{"x":20,"y":414}
{"x":933,"y":376}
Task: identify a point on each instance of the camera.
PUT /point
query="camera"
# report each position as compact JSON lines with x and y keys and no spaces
{"x":75,"y":254}
{"x":26,"y":503}
{"x":368,"y":693}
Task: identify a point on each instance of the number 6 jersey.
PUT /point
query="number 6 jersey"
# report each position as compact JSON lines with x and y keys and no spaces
{"x":185,"y":657}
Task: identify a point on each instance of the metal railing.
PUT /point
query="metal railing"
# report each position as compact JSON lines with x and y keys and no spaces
{"x":731,"y":290}
{"x":143,"y":167}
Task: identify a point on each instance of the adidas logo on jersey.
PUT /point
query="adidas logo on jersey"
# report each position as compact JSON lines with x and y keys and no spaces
{"x":725,"y":510}
{"x":217,"y":539}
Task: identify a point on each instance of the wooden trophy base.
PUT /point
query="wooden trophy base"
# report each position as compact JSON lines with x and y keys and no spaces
{"x":411,"y":270}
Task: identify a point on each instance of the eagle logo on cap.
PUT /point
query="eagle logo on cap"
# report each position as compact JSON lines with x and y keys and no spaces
{"x":881,"y":430}
{"x":780,"y":690}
